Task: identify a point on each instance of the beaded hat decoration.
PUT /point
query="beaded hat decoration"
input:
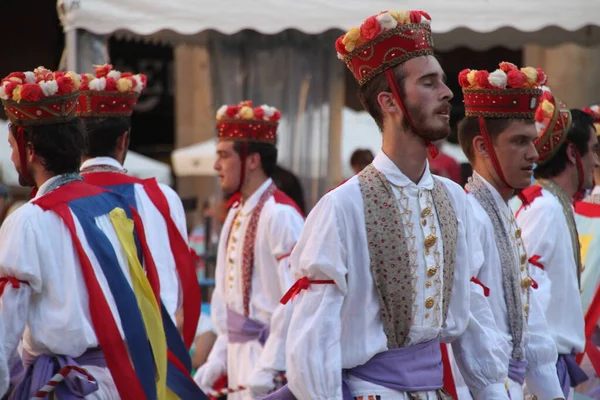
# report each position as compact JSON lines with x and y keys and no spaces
{"x":109,"y":93}
{"x":553,"y":121}
{"x":508,"y":92}
{"x":594,"y":111}
{"x":384,"y":41}
{"x":246,"y":123}
{"x":40,"y":97}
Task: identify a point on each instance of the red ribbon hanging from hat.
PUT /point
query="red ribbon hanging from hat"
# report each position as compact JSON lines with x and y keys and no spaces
{"x":393,"y":82}
{"x":487,"y":139}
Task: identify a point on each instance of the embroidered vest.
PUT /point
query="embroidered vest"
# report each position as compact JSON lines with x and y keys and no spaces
{"x":389,"y":253}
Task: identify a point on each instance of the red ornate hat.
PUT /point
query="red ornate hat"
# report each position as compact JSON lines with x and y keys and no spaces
{"x":246,"y":123}
{"x":508,"y":92}
{"x":41,"y":97}
{"x":594,"y":111}
{"x":384,"y":41}
{"x":553,"y":121}
{"x":109,"y":93}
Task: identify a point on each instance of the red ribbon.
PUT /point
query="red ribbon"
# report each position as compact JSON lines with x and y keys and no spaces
{"x":15,"y":283}
{"x":534,"y":284}
{"x":486,"y":290}
{"x":448,"y":378}
{"x":302,"y":284}
{"x":534,"y":260}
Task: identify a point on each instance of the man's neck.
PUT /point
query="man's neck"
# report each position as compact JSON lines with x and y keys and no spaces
{"x":407,"y":151}
{"x":93,"y":158}
{"x":492,"y":178}
{"x":569,"y":184}
{"x":41,"y":178}
{"x":253,"y":183}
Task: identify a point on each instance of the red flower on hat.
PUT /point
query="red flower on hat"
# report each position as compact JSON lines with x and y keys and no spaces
{"x":247,"y":103}
{"x":144,"y":79}
{"x":539,"y":114}
{"x":45,"y":75}
{"x":339,"y":46}
{"x":542,"y":77}
{"x":103,"y":70}
{"x":65,"y":85}
{"x":275,"y":117}
{"x":462,"y":78}
{"x":19,"y":75}
{"x":415,"y":16}
{"x":370,"y":28}
{"x":9,"y":87}
{"x":481,"y":78}
{"x":111,"y":84}
{"x":31,"y":92}
{"x":259,"y":113}
{"x":126,"y":74}
{"x":507,"y":66}
{"x":516,"y":79}
{"x":232,"y":111}
{"x":84,"y":82}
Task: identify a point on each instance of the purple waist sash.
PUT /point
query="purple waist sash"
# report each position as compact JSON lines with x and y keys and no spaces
{"x":409,"y":369}
{"x":517,"y":370}
{"x":241,"y":329}
{"x":42,"y":368}
{"x":569,"y":373}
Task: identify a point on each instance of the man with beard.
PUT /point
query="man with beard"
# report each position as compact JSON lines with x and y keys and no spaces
{"x":252,"y":271}
{"x":105,"y":105}
{"x":73,"y":285}
{"x":382,"y":267}
{"x":567,"y":147}
{"x":497,"y":136}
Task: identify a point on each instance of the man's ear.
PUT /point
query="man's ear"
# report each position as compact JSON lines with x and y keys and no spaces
{"x":387,"y":103}
{"x":479,"y":146}
{"x":253,"y":161}
{"x":571,"y":154}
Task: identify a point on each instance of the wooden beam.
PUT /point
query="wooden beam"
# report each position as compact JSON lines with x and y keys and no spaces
{"x":337,"y":100}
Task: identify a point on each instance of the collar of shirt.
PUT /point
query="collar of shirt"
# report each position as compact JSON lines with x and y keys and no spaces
{"x":249,"y":204}
{"x":596,"y":190}
{"x":93,"y":162}
{"x":502,"y":205}
{"x":387,"y":167}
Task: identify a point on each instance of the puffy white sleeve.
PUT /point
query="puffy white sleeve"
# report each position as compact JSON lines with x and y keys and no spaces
{"x":479,"y":351}
{"x":541,"y":354}
{"x":176,"y":209}
{"x":313,"y":351}
{"x":539,"y":233}
{"x":20,"y":274}
{"x":285,"y":226}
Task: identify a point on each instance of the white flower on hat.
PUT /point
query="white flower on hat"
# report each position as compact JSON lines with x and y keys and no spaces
{"x":3,"y":94}
{"x":139,"y":85}
{"x":340,"y":57}
{"x":221,"y":111}
{"x":498,"y":79}
{"x":114,"y":74}
{"x":269,"y":111}
{"x":30,"y":77}
{"x":97,"y":84}
{"x":49,"y":88}
{"x":386,"y":21}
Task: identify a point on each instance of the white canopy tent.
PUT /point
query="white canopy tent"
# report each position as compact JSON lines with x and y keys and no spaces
{"x":509,"y":23}
{"x":135,"y":163}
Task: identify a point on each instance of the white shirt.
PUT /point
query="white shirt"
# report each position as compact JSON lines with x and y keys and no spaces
{"x":157,"y":236}
{"x":539,"y":348}
{"x":51,"y":314}
{"x":277,"y":232}
{"x":336,"y":327}
{"x":546,"y":234}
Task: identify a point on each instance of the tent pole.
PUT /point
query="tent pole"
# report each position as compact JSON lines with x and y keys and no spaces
{"x":71,"y":46}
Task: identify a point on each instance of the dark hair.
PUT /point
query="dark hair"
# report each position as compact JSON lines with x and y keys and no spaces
{"x":361,"y":158}
{"x":289,"y":184}
{"x":368,"y":92}
{"x":469,"y":128}
{"x":60,"y":146}
{"x":103,"y":133}
{"x":267,"y":153}
{"x":578,"y":135}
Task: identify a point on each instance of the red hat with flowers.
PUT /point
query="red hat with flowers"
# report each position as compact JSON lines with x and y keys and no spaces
{"x":594,"y":111}
{"x":553,"y":121}
{"x":384,"y":41}
{"x":40,"y":97}
{"x":109,"y":93}
{"x":246,"y":123}
{"x":508,"y":92}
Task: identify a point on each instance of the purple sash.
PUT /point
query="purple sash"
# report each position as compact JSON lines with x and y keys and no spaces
{"x":569,"y":373}
{"x":241,"y":329}
{"x":517,"y":370}
{"x":42,"y":368}
{"x":409,"y":369}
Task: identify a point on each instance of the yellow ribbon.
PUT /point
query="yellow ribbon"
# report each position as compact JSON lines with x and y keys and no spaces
{"x":145,"y":299}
